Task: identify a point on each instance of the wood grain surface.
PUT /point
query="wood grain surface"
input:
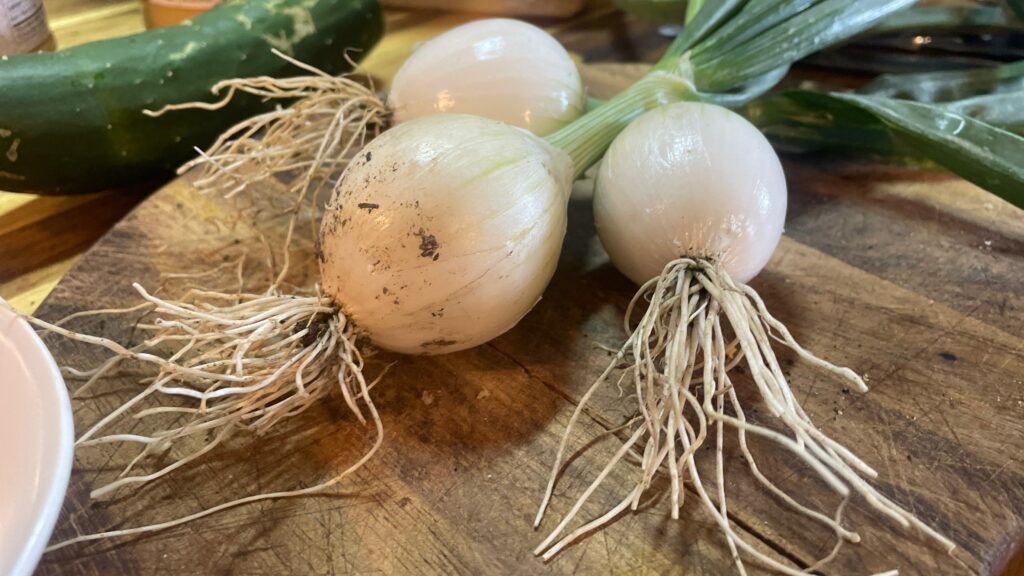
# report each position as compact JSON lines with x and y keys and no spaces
{"x":913,"y":278}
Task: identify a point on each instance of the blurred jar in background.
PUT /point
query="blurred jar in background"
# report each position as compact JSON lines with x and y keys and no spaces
{"x":170,"y":12}
{"x":23,"y":27}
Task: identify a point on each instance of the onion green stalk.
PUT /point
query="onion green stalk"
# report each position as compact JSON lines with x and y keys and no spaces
{"x":968,"y":121}
{"x":729,"y":53}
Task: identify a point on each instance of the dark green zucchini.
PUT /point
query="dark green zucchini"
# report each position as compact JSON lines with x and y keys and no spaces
{"x":72,"y":122}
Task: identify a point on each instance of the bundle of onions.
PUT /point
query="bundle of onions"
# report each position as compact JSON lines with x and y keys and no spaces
{"x":689,"y":202}
{"x":440,"y":235}
{"x":496,"y":68}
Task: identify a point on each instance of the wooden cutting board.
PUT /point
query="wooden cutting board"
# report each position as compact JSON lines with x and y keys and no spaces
{"x":915,"y":279}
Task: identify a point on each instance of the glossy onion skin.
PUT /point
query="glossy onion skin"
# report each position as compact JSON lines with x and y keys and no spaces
{"x":497,"y":68}
{"x":692,"y":180}
{"x":444,"y":232}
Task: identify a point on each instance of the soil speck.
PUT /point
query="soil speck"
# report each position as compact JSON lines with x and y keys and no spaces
{"x":438,"y":343}
{"x":428,"y":244}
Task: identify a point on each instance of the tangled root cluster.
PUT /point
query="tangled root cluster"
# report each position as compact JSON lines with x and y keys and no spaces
{"x":223,"y":363}
{"x":698,"y":326}
{"x":309,"y":141}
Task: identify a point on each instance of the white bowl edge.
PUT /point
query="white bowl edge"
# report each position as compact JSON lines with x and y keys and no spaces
{"x":17,"y":329}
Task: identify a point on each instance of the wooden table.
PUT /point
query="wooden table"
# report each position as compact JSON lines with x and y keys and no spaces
{"x":914,"y":278}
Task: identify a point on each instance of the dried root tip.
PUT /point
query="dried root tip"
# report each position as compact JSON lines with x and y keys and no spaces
{"x":312,"y":139}
{"x":225,"y":364}
{"x":678,"y":360}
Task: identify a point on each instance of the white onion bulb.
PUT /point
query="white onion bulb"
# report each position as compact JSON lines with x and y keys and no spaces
{"x":692,"y":180}
{"x":444,"y":232}
{"x":497,"y":68}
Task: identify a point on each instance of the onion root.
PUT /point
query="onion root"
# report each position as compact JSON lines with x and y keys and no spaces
{"x":308,"y":142}
{"x":225,"y":363}
{"x":679,"y":359}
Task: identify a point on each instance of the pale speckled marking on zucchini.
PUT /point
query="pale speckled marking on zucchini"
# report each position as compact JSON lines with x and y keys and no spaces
{"x":12,"y":152}
{"x":189,"y":48}
{"x":11,"y":175}
{"x":4,"y":132}
{"x":244,"y":20}
{"x":302,"y":27}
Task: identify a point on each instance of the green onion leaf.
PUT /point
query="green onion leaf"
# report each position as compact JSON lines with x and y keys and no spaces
{"x":692,"y":7}
{"x":987,"y":155}
{"x":1017,"y":6}
{"x":821,"y":25}
{"x":949,"y":85}
{"x":984,"y":154}
{"x":755,"y":18}
{"x":1002,"y":109}
{"x":754,"y":88}
{"x":948,"y":18}
{"x":707,"y":19}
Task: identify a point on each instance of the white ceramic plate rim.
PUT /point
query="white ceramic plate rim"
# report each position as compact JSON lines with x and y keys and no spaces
{"x":31,"y":347}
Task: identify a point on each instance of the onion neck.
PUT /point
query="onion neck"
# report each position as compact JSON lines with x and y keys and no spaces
{"x":587,"y":138}
{"x":670,"y":81}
